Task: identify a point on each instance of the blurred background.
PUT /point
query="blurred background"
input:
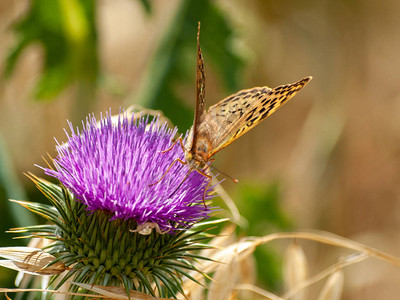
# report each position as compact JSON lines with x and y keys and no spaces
{"x":329,"y":160}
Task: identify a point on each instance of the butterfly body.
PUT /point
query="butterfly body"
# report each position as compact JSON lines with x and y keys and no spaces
{"x":197,"y":154}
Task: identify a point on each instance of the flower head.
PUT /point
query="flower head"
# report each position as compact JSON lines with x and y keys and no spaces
{"x":111,"y":165}
{"x":107,"y":217}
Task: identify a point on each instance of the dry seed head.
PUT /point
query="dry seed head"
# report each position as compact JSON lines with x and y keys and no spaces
{"x":224,"y":262}
{"x":248,"y":270}
{"x":225,"y":278}
{"x":295,"y":269}
{"x":333,"y":287}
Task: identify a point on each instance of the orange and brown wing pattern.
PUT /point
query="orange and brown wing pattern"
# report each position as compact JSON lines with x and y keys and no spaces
{"x":235,"y":115}
{"x":200,"y":93}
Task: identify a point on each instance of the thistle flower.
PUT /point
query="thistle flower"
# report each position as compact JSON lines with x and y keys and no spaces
{"x":105,"y":208}
{"x":112,"y":168}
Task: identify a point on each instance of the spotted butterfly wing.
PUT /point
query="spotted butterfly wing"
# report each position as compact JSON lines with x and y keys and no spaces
{"x":235,"y":115}
{"x":200,"y":95}
{"x":232,"y":117}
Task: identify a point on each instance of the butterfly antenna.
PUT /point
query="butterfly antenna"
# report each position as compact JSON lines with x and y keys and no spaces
{"x":226,"y":175}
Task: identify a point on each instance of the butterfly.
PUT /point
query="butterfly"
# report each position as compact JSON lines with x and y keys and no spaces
{"x":229,"y":119}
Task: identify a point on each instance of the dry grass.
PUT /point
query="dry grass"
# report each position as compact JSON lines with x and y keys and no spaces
{"x":229,"y":269}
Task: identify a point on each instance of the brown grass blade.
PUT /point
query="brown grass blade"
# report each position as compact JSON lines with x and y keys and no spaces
{"x":117,"y":292}
{"x":258,"y":291}
{"x":31,"y":260}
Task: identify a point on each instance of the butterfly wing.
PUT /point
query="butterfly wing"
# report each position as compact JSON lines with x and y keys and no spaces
{"x":235,"y":115}
{"x":200,"y":95}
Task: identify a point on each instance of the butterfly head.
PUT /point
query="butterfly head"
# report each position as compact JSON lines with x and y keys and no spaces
{"x":195,"y":160}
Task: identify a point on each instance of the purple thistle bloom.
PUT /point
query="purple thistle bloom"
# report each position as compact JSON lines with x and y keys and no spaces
{"x":110,"y":166}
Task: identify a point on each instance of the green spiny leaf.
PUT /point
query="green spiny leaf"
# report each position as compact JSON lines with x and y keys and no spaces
{"x":165,"y":280}
{"x":145,"y":281}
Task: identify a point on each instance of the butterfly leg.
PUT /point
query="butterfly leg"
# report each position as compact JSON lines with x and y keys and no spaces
{"x":169,"y":168}
{"x":208,"y":185}
{"x":179,"y":139}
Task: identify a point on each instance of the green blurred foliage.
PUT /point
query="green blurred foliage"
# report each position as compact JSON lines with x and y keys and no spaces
{"x":147,"y":6}
{"x":66,"y":31}
{"x":173,"y":64}
{"x":260,"y":203}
